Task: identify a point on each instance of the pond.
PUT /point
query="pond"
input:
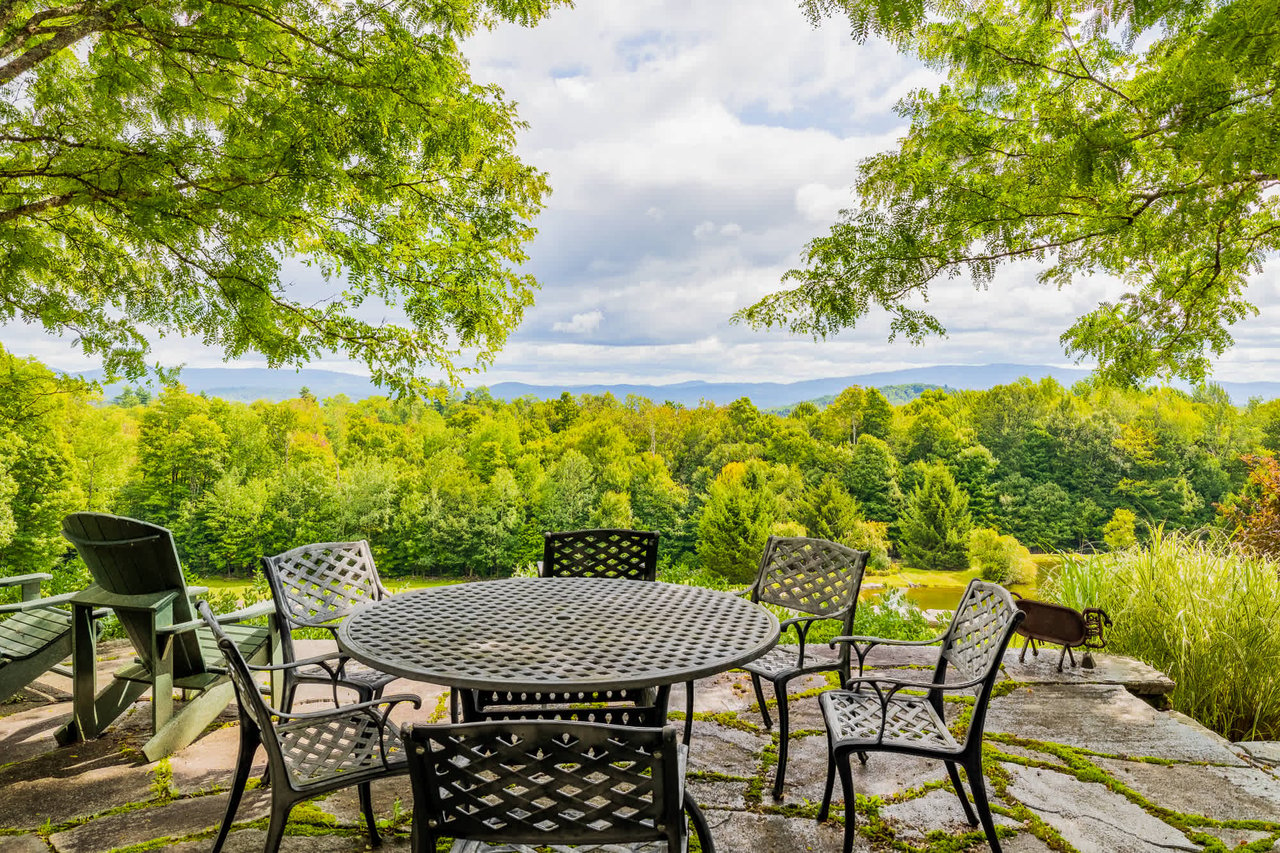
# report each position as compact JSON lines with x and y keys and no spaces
{"x":941,"y":590}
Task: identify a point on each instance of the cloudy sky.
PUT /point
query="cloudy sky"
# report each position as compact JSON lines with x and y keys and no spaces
{"x":693,"y":150}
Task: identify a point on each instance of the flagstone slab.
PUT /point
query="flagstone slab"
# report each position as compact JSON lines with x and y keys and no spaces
{"x":253,"y":841}
{"x":721,"y":749}
{"x":29,"y":732}
{"x":344,"y":804}
{"x":71,"y":782}
{"x":938,"y":810}
{"x":719,"y":793}
{"x":1106,"y":719}
{"x":1221,"y":793}
{"x":1092,"y":818}
{"x":738,"y":832}
{"x":1233,"y":837}
{"x":22,"y":844}
{"x":883,"y":775}
{"x":176,"y":819}
{"x":1133,"y":675}
{"x":210,"y":760}
{"x":1265,"y":751}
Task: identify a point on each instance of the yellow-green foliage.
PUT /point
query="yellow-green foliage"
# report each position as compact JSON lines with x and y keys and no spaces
{"x":1000,"y":558}
{"x":1205,"y":613}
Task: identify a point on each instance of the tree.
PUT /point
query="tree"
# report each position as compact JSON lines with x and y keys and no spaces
{"x":1001,"y":559}
{"x":1255,"y":513}
{"x":36,"y":470}
{"x":827,"y":511}
{"x":160,"y":161}
{"x":936,"y":522}
{"x":1119,"y":532}
{"x":734,"y":526}
{"x":1134,"y":140}
{"x":872,"y":478}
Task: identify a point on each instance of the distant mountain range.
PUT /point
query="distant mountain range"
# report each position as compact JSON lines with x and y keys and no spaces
{"x":253,"y":383}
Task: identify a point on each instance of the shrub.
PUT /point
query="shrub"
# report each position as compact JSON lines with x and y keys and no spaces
{"x":1001,"y":559}
{"x":1204,"y":612}
{"x":1119,"y":532}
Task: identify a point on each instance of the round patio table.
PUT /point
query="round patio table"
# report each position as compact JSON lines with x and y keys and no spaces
{"x":558,"y":635}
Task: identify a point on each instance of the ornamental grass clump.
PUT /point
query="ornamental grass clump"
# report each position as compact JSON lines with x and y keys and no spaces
{"x":1199,"y":609}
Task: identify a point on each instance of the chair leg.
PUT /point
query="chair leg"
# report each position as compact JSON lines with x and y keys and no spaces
{"x":249,"y":741}
{"x":954,"y":773}
{"x":764,"y":710}
{"x":850,"y":815}
{"x":366,"y":806}
{"x":784,"y":738}
{"x":275,"y":829}
{"x":699,"y":823}
{"x":688,"y":712}
{"x":825,"y":809}
{"x":979,"y":787}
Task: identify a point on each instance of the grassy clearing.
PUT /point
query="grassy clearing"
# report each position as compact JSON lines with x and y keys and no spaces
{"x":1199,"y":610}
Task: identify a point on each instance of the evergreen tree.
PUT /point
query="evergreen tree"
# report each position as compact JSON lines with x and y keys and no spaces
{"x":936,"y":522}
{"x":827,"y":511}
{"x":872,"y":478}
{"x":735,"y":523}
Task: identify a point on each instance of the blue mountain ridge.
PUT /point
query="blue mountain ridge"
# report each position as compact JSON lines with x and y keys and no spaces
{"x":247,"y":384}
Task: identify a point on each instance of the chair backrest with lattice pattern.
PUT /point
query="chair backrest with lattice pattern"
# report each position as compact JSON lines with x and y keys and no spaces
{"x":627,"y":554}
{"x":126,"y":556}
{"x":319,"y":583}
{"x":976,"y":641}
{"x":810,"y":575}
{"x":545,"y":782}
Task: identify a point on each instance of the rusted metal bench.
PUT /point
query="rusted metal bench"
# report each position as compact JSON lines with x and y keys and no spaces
{"x":1058,"y":624}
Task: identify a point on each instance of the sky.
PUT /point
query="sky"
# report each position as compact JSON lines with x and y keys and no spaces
{"x":693,"y":149}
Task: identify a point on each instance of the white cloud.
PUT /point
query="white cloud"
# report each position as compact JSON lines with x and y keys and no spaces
{"x":580,"y":324}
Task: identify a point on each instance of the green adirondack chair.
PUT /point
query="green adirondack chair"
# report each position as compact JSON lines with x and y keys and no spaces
{"x":137,"y":574}
{"x":35,"y":638}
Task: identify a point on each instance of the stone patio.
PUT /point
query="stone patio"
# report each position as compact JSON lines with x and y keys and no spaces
{"x":1076,"y":762}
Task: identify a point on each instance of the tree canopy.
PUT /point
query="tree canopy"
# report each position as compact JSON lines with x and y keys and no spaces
{"x":165,"y":166}
{"x":1136,"y":139}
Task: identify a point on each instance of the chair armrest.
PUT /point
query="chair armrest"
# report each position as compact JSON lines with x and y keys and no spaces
{"x":802,"y":624}
{"x":37,"y":603}
{"x":197,"y":591}
{"x":900,"y":683}
{"x":317,"y":660}
{"x":96,"y":596}
{"x":24,"y":580}
{"x":253,"y":611}
{"x":346,"y":710}
{"x":862,"y":646}
{"x":883,"y":641}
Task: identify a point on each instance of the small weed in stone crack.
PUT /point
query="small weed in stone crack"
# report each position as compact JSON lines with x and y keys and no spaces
{"x":162,"y":787}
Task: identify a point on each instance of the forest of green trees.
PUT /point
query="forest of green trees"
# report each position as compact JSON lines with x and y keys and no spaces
{"x":467,"y":484}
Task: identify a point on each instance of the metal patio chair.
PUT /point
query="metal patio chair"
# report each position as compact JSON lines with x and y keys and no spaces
{"x":311,"y":753}
{"x":316,"y":586}
{"x":137,"y":574}
{"x":510,"y":787}
{"x":820,"y":579}
{"x":875,"y":714}
{"x":623,"y":554}
{"x":36,"y":637}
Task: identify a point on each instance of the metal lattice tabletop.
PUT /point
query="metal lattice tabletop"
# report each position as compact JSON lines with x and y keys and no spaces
{"x":558,"y":634}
